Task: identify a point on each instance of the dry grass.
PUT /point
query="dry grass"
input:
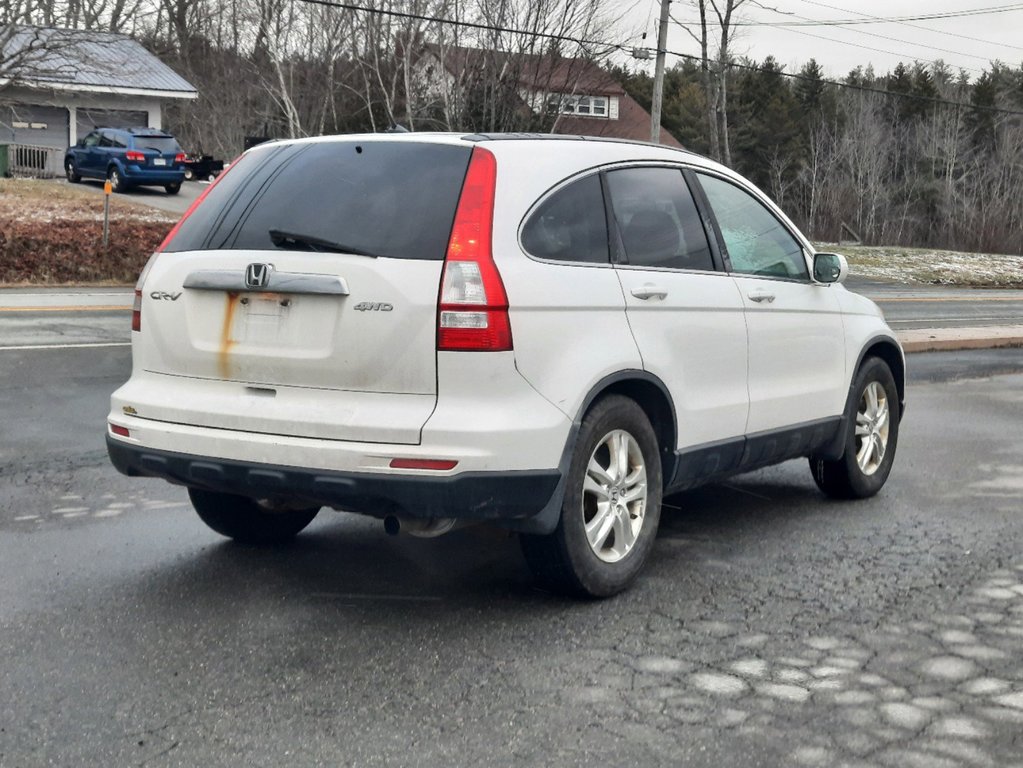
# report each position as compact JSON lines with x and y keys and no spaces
{"x":52,"y":234}
{"x":935,"y":267}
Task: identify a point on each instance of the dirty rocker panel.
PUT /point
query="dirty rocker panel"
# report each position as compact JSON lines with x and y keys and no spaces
{"x":470,"y":495}
{"x":714,"y":461}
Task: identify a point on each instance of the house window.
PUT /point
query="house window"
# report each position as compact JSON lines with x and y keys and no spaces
{"x":590,"y":106}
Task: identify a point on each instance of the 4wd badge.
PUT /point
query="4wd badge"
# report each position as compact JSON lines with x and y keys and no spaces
{"x":373,"y":306}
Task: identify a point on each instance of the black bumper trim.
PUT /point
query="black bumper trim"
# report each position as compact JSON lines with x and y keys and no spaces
{"x":471,"y":495}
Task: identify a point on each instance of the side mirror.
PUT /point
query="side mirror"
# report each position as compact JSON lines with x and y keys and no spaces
{"x":830,"y":268}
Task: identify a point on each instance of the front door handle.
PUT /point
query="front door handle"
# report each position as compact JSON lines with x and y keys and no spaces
{"x":649,"y":291}
{"x":759,"y":296}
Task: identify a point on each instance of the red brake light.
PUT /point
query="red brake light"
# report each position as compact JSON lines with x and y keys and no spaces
{"x":136,"y":309}
{"x":193,"y":206}
{"x":135,"y":157}
{"x":179,"y":157}
{"x":472,"y":312}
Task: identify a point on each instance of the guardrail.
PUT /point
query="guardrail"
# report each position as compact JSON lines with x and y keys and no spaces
{"x":34,"y":161}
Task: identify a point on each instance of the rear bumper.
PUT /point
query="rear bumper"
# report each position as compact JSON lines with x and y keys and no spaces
{"x":507,"y":495}
{"x":137,"y":175}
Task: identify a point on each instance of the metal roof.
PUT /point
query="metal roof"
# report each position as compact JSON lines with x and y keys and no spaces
{"x":97,"y":61}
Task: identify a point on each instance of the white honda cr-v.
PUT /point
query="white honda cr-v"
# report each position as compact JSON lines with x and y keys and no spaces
{"x":547,"y":333}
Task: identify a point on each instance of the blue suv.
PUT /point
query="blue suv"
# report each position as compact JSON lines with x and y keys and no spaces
{"x":128,"y":157}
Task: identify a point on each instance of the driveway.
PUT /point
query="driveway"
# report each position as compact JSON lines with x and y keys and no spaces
{"x":153,"y":196}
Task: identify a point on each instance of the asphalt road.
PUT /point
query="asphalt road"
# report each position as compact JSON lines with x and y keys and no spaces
{"x":925,"y":306}
{"x":771,"y":628}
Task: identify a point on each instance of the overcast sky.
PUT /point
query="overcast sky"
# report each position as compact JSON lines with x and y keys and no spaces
{"x":966,"y":42}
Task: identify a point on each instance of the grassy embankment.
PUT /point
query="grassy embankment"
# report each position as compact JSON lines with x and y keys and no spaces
{"x":51,"y":234}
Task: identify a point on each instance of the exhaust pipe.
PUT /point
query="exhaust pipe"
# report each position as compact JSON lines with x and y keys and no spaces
{"x":429,"y":528}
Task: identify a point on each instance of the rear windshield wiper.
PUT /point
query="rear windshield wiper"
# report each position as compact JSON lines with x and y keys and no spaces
{"x":313,"y":243}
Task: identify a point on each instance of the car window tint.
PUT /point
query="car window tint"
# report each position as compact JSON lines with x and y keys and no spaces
{"x":105,"y":140}
{"x":92,"y":140}
{"x":570,"y":225}
{"x":393,"y":199}
{"x":757,"y":243}
{"x":658,"y":220}
{"x":163,"y":144}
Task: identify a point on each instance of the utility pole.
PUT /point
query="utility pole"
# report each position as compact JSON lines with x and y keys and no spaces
{"x":662,"y":40}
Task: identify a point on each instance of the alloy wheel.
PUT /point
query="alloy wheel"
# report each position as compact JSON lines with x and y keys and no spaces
{"x":614,"y":496}
{"x":872,"y":423}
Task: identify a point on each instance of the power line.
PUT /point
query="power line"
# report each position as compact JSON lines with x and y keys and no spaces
{"x":884,"y":19}
{"x":917,"y":26}
{"x":872,"y":34}
{"x":625,"y":47}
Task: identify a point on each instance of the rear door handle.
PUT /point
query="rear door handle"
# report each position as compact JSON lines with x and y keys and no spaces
{"x":759,"y":296}
{"x":649,"y":292}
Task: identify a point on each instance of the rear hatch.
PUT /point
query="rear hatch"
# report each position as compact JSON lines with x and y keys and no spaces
{"x":300,"y":297}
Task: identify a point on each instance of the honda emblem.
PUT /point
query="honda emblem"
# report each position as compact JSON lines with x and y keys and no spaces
{"x":258,"y":275}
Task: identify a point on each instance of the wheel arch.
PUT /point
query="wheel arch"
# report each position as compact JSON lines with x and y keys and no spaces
{"x":650,"y":394}
{"x":887,"y":349}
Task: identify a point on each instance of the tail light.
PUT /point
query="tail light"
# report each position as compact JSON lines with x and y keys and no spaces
{"x":179,"y":157}
{"x":472,"y":313}
{"x":135,"y":157}
{"x":136,"y":307}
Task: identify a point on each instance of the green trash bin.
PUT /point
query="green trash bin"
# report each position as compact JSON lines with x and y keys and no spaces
{"x":3,"y":161}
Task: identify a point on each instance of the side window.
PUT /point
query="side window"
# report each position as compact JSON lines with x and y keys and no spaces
{"x":106,"y":140}
{"x":658,"y":220}
{"x":119,"y":140}
{"x":570,"y":225}
{"x":757,"y":242}
{"x":92,"y":139}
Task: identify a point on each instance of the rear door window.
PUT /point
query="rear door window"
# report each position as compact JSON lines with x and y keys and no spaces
{"x":658,"y":219}
{"x":393,"y":199}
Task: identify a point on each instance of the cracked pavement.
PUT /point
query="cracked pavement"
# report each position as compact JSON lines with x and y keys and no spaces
{"x":771,"y":627}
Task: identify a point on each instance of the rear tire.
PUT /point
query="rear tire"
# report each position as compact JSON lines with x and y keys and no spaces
{"x":872,"y":423}
{"x":189,"y":174}
{"x":117,"y":183}
{"x":172,"y":189}
{"x":611,"y":509}
{"x":247,"y":521}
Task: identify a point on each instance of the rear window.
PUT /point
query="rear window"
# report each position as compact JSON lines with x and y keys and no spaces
{"x":164,"y":144}
{"x":387,"y":199}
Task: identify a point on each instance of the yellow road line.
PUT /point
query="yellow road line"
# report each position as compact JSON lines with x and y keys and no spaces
{"x":98,"y":308}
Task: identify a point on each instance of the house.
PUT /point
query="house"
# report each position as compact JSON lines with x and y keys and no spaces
{"x":574,"y":95}
{"x":56,"y":85}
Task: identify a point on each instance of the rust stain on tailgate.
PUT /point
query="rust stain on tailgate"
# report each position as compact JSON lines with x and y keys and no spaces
{"x":226,"y":342}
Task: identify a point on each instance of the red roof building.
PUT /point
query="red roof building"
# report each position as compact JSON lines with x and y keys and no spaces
{"x":582,"y":98}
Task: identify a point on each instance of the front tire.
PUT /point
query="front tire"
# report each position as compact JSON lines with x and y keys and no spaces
{"x":246,"y":520}
{"x":611,"y":509}
{"x":72,"y":173}
{"x":872,"y":416}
